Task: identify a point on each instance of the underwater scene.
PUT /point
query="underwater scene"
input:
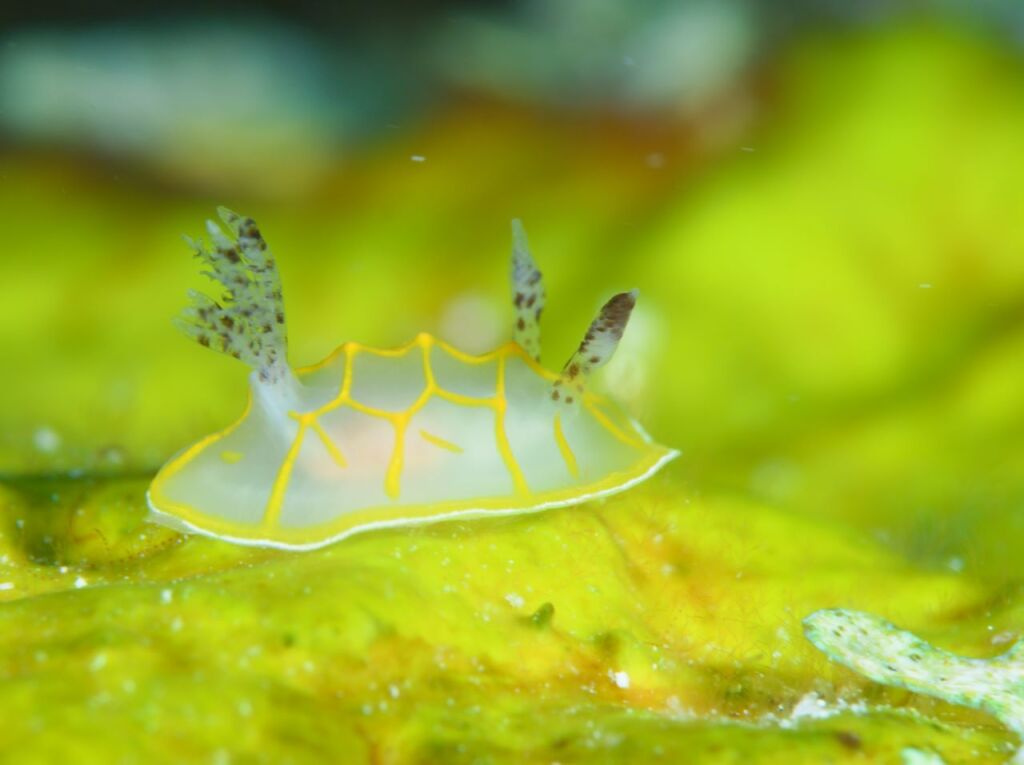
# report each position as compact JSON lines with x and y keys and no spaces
{"x":536,"y":381}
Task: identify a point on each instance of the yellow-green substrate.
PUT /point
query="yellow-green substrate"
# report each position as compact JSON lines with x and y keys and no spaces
{"x":652,"y":623}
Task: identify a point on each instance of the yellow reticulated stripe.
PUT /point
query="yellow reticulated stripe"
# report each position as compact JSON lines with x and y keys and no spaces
{"x":458,"y":398}
{"x":504,"y":448}
{"x":426,"y":341}
{"x":329,"y":444}
{"x":284,"y":474}
{"x":346,"y":383}
{"x":438,"y":441}
{"x":565,"y":449}
{"x":392,"y":482}
{"x":614,"y":429}
{"x":468,"y":358}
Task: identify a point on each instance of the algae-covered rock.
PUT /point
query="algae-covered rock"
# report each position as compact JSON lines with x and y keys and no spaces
{"x":652,"y":623}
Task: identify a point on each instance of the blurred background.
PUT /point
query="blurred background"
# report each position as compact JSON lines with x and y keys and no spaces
{"x":821,"y":203}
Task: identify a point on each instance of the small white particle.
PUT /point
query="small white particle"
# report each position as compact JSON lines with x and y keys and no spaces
{"x":514,"y":600}
{"x":99,"y":662}
{"x":747,"y":149}
{"x":924,"y":286}
{"x":166,"y":596}
{"x":621,"y":679}
{"x":394,"y":691}
{"x":176,"y":624}
{"x":655,"y":160}
{"x":6,"y":585}
{"x":46,"y":440}
{"x":811,"y":706}
{"x":80,"y":582}
{"x":245,"y":708}
{"x":955,"y":564}
{"x":418,"y":158}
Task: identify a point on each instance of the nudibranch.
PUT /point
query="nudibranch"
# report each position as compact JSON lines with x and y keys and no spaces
{"x":888,"y":655}
{"x":370,"y":438}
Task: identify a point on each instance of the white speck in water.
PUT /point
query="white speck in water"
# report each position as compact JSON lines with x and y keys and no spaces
{"x":166,"y":596}
{"x":177,"y":624}
{"x":245,"y":708}
{"x":655,"y":160}
{"x":394,"y":691}
{"x":80,"y":582}
{"x":6,"y":585}
{"x":99,"y":662}
{"x":955,"y":564}
{"x":924,"y":286}
{"x":46,"y":439}
{"x":515,"y":600}
{"x":621,"y":679}
{"x":418,"y":158}
{"x":747,"y":149}
{"x":19,"y":522}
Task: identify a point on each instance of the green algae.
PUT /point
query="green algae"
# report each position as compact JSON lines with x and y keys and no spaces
{"x":484,"y":641}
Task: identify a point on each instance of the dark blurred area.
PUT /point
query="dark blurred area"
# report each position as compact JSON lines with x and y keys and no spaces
{"x":171,"y":86}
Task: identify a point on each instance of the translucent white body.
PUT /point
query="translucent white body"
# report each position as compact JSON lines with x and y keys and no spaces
{"x":371,"y":438}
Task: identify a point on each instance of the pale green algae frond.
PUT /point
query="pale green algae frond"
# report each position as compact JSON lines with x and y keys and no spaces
{"x":881,"y":651}
{"x":851,"y":439}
